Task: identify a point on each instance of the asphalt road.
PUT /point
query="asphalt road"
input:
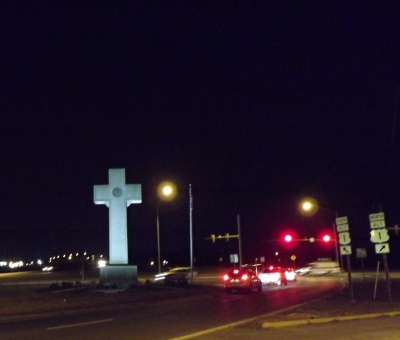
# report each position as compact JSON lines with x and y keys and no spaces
{"x":163,"y":313}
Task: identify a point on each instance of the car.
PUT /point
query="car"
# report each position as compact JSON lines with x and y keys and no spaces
{"x":290,"y":275}
{"x":303,"y":270}
{"x":241,"y":280}
{"x":320,"y":268}
{"x":273,"y":275}
{"x":175,"y":276}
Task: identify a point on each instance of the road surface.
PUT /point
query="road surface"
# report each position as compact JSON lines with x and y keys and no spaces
{"x":167,"y":314}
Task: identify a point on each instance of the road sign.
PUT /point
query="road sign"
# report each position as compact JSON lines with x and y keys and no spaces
{"x":361,"y":252}
{"x":378,"y":224}
{"x":234,"y":258}
{"x":377,"y":217}
{"x":379,"y":235}
{"x":344,"y":238}
{"x":382,"y":248}
{"x":345,"y":250}
{"x":341,"y":220}
{"x":342,"y":227}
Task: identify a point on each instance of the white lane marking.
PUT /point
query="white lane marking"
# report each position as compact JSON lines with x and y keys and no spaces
{"x":79,"y":324}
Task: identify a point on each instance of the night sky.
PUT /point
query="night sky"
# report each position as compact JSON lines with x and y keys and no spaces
{"x":257,"y":104}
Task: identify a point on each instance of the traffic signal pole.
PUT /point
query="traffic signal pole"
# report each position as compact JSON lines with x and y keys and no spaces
{"x":227,"y":236}
{"x":240,"y":242}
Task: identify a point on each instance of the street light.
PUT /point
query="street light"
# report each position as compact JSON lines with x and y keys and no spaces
{"x":166,"y":191}
{"x":309,"y":207}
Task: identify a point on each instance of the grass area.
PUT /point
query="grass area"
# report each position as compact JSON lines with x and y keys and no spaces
{"x":341,"y":303}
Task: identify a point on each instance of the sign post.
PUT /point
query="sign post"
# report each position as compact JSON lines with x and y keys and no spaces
{"x":361,"y":254}
{"x":379,"y":236}
{"x":342,"y":226}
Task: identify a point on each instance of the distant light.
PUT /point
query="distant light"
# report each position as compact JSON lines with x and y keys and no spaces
{"x":166,"y":191}
{"x":308,"y":206}
{"x":288,"y":238}
{"x":326,"y":238}
{"x":101,"y":263}
{"x":16,"y":264}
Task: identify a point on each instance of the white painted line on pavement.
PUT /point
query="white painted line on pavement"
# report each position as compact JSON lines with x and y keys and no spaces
{"x":79,"y":324}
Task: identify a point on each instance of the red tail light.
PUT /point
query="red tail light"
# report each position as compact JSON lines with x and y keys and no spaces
{"x":226,"y":277}
{"x":245,"y":277}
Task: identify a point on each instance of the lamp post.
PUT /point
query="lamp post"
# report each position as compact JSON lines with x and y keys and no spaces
{"x":158,"y":243}
{"x":191,"y":232}
{"x":309,"y":207}
{"x":166,"y":191}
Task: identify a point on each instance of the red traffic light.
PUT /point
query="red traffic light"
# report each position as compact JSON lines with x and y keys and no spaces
{"x":326,"y":238}
{"x":288,"y":238}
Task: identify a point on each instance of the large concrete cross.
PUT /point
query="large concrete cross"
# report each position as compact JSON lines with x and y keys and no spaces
{"x":117,"y":196}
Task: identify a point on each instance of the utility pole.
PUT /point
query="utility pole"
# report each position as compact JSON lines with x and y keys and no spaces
{"x":240,"y":242}
{"x":228,"y":236}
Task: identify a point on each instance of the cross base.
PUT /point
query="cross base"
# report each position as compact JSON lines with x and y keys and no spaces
{"x":118,"y":277}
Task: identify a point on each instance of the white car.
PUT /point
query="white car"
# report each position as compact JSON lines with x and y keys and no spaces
{"x":320,"y":268}
{"x":290,"y":275}
{"x":177,"y":275}
{"x":273,"y":275}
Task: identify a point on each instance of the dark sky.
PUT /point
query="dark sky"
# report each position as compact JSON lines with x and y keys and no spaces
{"x":255,"y":103}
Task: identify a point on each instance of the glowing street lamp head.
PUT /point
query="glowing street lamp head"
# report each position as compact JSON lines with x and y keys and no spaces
{"x":308,"y":207}
{"x":166,"y":191}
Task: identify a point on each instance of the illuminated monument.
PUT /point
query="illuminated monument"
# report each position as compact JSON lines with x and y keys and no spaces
{"x":117,"y":196}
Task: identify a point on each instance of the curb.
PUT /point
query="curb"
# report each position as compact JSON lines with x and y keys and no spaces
{"x":280,"y":324}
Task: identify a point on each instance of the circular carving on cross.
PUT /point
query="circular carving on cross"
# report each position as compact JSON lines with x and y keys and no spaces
{"x":117,"y":192}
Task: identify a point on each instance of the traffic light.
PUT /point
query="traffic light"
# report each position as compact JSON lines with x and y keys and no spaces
{"x":326,"y":238}
{"x":288,"y":238}
{"x":213,"y":238}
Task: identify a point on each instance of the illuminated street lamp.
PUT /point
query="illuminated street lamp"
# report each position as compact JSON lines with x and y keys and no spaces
{"x":166,"y":191}
{"x":309,"y":207}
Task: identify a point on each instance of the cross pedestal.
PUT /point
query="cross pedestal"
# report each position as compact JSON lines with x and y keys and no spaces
{"x":117,"y":196}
